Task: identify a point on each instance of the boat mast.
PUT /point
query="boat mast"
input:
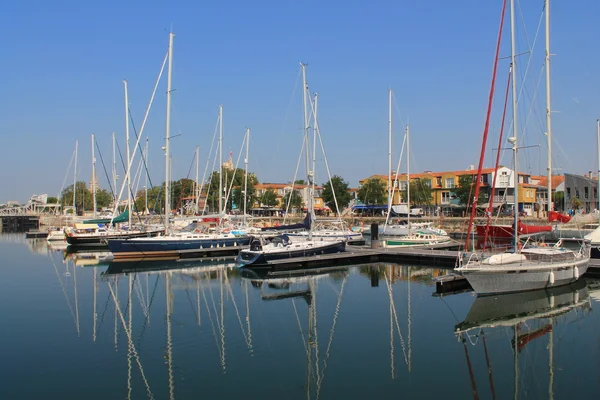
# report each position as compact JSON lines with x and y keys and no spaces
{"x":598,"y":183}
{"x":513,"y":139}
{"x":196,"y":186}
{"x":246,"y":175}
{"x":309,"y":198}
{"x":408,"y":174}
{"x":389,"y":152}
{"x":548,"y":109}
{"x":114,"y":168}
{"x":128,"y":154}
{"x":314,"y":153}
{"x":93,"y":185}
{"x":220,"y":161}
{"x":75,"y":181}
{"x":146,"y":194}
{"x":168,"y":135}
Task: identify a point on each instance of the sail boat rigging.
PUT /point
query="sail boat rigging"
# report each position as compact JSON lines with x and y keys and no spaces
{"x":522,"y":267}
{"x":282,"y":246}
{"x":188,"y":243}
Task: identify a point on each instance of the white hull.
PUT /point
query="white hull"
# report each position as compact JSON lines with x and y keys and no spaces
{"x":491,"y":279}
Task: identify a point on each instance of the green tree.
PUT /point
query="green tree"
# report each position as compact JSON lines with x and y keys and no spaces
{"x":576,"y":203}
{"x":52,"y":200}
{"x":558,"y":198}
{"x":83,"y":197}
{"x":238,"y":195}
{"x":181,"y":189}
{"x":231,"y":178}
{"x":338,"y":186}
{"x":294,"y":198}
{"x":299,"y":182}
{"x":269,"y":198}
{"x":103,"y":198}
{"x":373,"y":192}
{"x":420,"y":193}
{"x":156,"y":199}
{"x":465,"y":191}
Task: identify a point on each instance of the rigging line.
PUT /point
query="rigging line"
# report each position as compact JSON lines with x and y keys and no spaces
{"x":389,"y":289}
{"x":471,"y":374}
{"x":299,"y":325}
{"x":147,"y":319}
{"x":103,"y":313}
{"x":491,"y":201}
{"x":486,"y":128}
{"x":326,"y":163}
{"x":237,"y":163}
{"x":128,"y":333}
{"x":206,"y":167}
{"x":140,"y":296}
{"x":293,"y":182}
{"x":63,"y":289}
{"x":331,"y":332}
{"x":397,"y":176}
{"x":212,"y":324}
{"x":237,"y":312}
{"x":516,"y":55}
{"x":216,"y":318}
{"x":489,"y":366}
{"x":66,"y":175}
{"x":104,"y":167}
{"x":287,"y":113}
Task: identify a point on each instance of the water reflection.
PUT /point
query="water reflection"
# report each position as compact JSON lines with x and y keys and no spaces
{"x":184,"y":329}
{"x":526,"y":316}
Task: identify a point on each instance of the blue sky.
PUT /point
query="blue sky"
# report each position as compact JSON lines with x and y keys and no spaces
{"x":64,"y":62}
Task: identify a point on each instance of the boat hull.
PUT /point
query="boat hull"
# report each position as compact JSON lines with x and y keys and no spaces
{"x":250,"y":258}
{"x":90,"y":240}
{"x":162,"y":248}
{"x":494,"y":279}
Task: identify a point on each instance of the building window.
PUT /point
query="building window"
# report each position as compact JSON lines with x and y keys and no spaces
{"x":586,"y":192}
{"x":438,"y":181}
{"x":427,"y":182}
{"x":568,"y":193}
{"x":595,"y":193}
{"x":445,"y":197}
{"x":450,"y":183}
{"x":504,"y":178}
{"x":402,"y":185}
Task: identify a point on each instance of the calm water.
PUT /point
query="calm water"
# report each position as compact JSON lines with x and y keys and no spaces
{"x":75,"y":331}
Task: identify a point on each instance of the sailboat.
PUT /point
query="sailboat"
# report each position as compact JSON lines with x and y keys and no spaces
{"x":188,"y":242}
{"x":282,"y":246}
{"x":420,"y":237}
{"x":524,"y":267}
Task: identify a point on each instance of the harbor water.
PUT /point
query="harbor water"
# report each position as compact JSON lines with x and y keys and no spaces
{"x":76,"y":327}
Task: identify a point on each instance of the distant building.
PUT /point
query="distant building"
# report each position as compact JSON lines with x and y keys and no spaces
{"x":581,"y":192}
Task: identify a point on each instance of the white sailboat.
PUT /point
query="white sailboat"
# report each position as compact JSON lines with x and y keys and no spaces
{"x":420,"y":237}
{"x":527,"y":267}
{"x":186,"y":243}
{"x":280,"y":247}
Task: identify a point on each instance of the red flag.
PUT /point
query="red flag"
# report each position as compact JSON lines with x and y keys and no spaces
{"x":556,"y":216}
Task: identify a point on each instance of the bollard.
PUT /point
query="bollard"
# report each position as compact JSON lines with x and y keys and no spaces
{"x":375,"y":242}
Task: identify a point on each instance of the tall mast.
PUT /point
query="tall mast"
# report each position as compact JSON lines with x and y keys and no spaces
{"x":598,"y":183}
{"x":389,"y":150}
{"x":314,"y":152}
{"x":168,"y":135}
{"x":220,"y":160}
{"x":408,"y":174}
{"x":114,"y":168}
{"x":75,"y":180}
{"x":246,"y":175}
{"x":196,"y":186}
{"x":128,"y":154}
{"x":146,"y":194}
{"x":93,"y":185}
{"x":308,"y":173}
{"x":513,"y":139}
{"x":548,"y":109}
